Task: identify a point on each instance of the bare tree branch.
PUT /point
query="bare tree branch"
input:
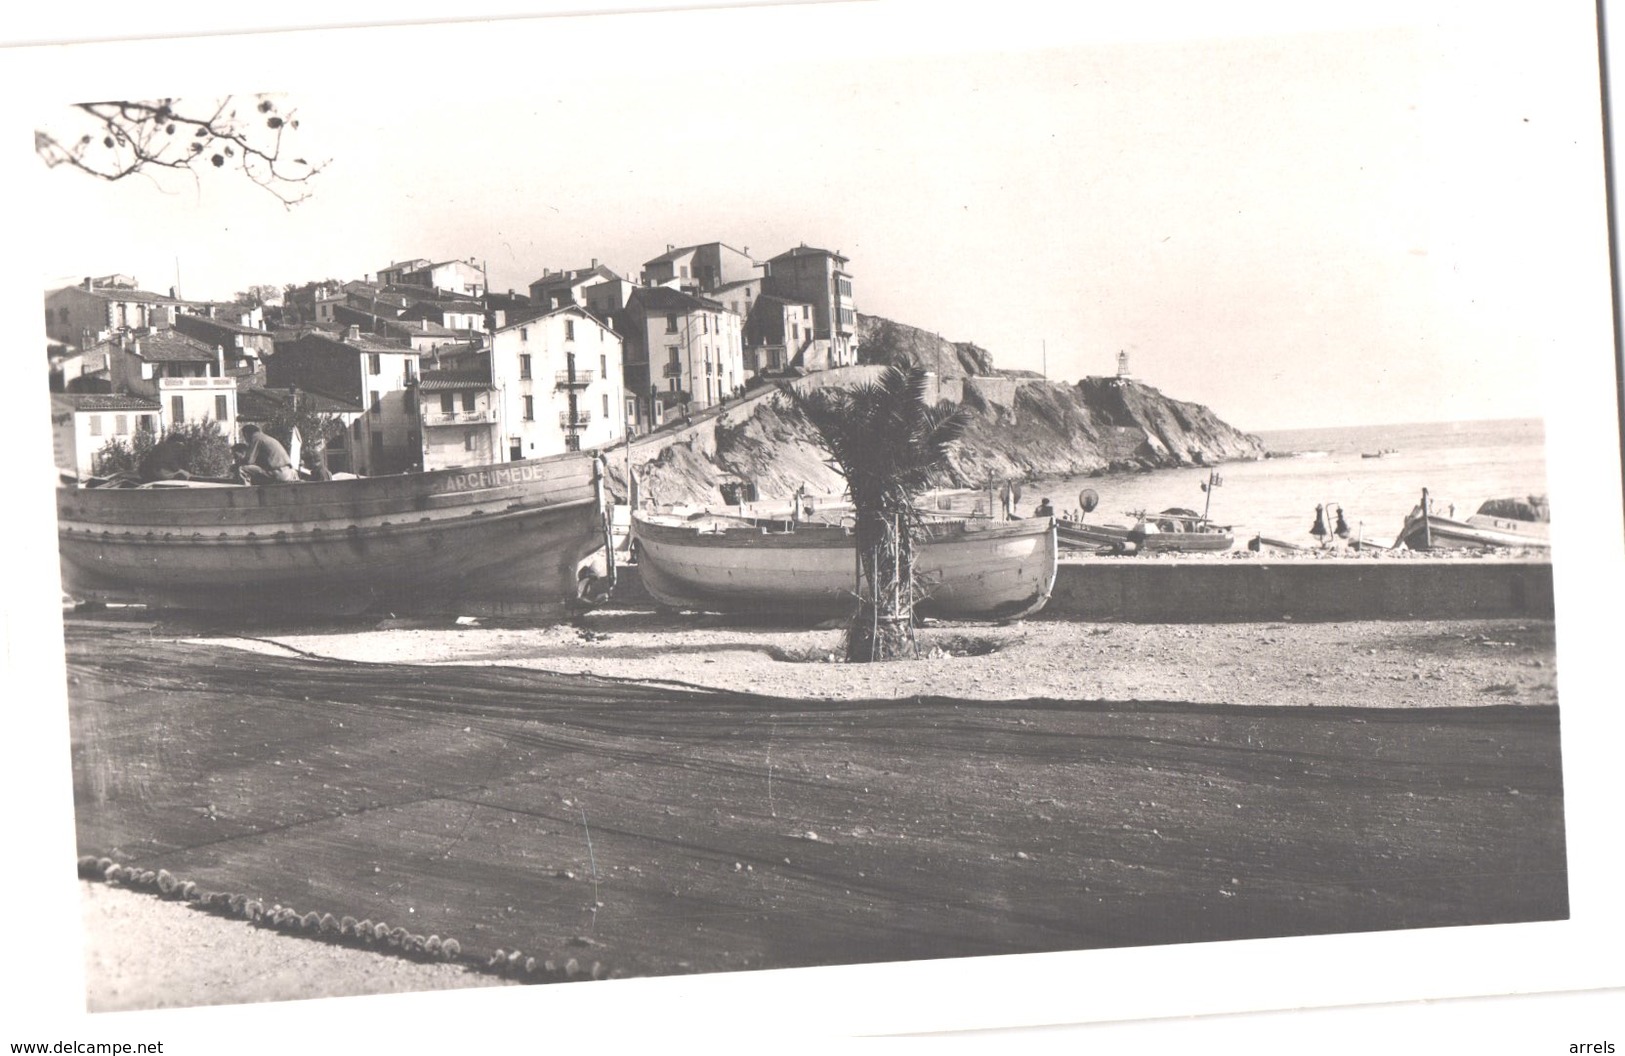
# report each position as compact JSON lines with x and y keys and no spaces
{"x":119,"y":138}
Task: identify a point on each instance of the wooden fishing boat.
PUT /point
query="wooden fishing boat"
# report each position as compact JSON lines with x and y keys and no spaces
{"x":1178,"y":530}
{"x":1081,"y":535}
{"x":1427,"y":529}
{"x":506,"y":539}
{"x":967,"y":569}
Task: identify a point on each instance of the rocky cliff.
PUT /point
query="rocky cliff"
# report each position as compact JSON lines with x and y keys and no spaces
{"x":1021,"y":428}
{"x":888,"y":344}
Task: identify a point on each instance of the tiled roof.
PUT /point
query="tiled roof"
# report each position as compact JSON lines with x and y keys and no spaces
{"x":264,"y":402}
{"x":454,"y":380}
{"x":163,"y":346}
{"x":223,"y":324}
{"x":120,"y":293}
{"x":666,"y":299}
{"x":105,"y":401}
{"x":809,"y":251}
{"x":575,"y":276}
{"x":681,"y":251}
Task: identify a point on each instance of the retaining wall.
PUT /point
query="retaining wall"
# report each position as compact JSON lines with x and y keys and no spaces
{"x":1163,"y":590}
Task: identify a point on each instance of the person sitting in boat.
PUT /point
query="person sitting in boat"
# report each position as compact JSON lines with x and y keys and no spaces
{"x":1044,"y":509}
{"x":266,"y":460}
{"x":166,"y":461}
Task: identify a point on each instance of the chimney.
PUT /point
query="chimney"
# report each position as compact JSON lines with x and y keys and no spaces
{"x":173,"y":295}
{"x":87,"y":283}
{"x":425,"y":322}
{"x":670,"y":247}
{"x":220,"y":359}
{"x":594,"y":264}
{"x":352,"y":332}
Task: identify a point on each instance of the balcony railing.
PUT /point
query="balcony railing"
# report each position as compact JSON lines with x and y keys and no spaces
{"x":582,"y":417}
{"x":568,"y":379}
{"x":459,"y":417}
{"x":672,"y":370}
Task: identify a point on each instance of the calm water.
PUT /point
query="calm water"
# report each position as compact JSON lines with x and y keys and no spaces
{"x":1459,"y":462}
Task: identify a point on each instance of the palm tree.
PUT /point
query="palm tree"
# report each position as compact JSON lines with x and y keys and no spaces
{"x":887,"y":442}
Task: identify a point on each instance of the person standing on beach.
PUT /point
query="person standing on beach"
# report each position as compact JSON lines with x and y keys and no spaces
{"x":1319,"y":529}
{"x":266,"y":461}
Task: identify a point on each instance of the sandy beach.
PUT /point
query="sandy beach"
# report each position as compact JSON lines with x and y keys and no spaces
{"x":1386,"y":667}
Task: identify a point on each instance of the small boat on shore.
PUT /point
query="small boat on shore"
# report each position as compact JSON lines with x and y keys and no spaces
{"x":1079,"y":535}
{"x":505,"y":539}
{"x":1427,"y":529}
{"x":1178,"y":529}
{"x":967,"y":569}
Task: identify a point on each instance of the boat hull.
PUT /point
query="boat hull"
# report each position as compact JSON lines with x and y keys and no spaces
{"x":1092,"y":536}
{"x":1001,"y":571}
{"x":1180,"y":541}
{"x":499,"y":540}
{"x":1432,"y":532}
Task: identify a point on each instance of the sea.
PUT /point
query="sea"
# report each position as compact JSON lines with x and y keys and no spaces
{"x":1460,"y":463}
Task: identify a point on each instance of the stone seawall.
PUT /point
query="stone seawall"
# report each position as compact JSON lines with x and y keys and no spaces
{"x":1164,"y":590}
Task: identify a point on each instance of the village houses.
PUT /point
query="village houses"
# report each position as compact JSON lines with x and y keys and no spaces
{"x":428,"y":369}
{"x":377,"y":374}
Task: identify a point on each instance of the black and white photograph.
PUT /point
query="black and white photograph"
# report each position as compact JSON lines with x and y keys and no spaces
{"x":1062,"y":526}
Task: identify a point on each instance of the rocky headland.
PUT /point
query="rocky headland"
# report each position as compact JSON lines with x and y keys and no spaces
{"x":1022,"y":427}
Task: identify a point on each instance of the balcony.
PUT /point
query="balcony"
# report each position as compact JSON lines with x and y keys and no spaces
{"x":483,"y":417}
{"x":672,"y":370}
{"x":573,"y":379}
{"x":582,"y":417}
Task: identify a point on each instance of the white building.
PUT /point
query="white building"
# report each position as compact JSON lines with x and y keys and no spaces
{"x":558,"y":382}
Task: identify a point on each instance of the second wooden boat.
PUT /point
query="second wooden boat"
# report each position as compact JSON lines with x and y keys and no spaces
{"x":997,"y":570}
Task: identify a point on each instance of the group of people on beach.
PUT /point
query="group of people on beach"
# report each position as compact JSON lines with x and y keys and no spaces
{"x":259,"y":459}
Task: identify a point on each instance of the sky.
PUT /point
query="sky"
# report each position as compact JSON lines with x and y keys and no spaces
{"x":1297,"y":219}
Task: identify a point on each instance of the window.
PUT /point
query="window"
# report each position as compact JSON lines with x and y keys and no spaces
{"x":572,"y":442}
{"x":569,"y":329}
{"x":121,"y":424}
{"x":448,"y":402}
{"x":145,"y":423}
{"x":530,"y":408}
{"x":377,"y":444}
{"x":468,"y":440}
{"x":95,"y":425}
{"x":524,"y":333}
{"x":603,"y":365}
{"x":671,"y":322}
{"x":516,"y":450}
{"x":524,"y":367}
{"x":377,"y":403}
{"x":685,"y":271}
{"x":468,"y":401}
{"x":375,"y":363}
{"x":177,"y":410}
{"x":220,"y":409}
{"x":606,"y":405}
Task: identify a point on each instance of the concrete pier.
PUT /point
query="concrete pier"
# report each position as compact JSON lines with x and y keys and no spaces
{"x":1170,"y":590}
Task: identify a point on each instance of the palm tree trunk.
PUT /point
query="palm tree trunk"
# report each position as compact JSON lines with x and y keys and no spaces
{"x":883,"y":626}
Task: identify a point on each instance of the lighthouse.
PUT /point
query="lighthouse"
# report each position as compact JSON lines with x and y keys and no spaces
{"x":1122,"y":365}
